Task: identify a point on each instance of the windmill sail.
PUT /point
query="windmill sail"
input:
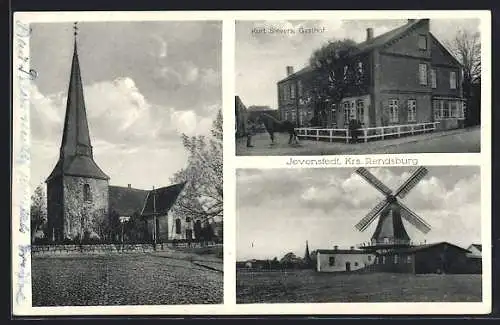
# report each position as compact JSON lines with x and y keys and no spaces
{"x":414,"y":219}
{"x":368,"y":219}
{"x":411,"y":182}
{"x":370,"y":178}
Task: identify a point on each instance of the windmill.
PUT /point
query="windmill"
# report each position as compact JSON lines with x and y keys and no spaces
{"x":390,"y":230}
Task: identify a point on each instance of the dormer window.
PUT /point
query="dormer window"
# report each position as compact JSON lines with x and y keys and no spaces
{"x":422,"y":42}
{"x":87,"y":195}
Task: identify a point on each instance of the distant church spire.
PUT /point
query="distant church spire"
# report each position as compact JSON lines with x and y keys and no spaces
{"x":307,"y":255}
{"x":76,"y":138}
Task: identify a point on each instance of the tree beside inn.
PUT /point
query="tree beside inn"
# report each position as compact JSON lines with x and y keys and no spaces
{"x":82,"y":205}
{"x":404,"y":76}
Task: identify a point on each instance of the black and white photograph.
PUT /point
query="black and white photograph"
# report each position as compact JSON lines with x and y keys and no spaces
{"x":344,"y":86}
{"x":385,"y":234}
{"x":126,"y":163}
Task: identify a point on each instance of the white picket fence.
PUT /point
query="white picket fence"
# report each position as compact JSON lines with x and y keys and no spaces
{"x":373,"y":133}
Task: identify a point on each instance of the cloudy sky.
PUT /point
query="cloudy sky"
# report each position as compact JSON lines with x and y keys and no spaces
{"x":261,"y":58}
{"x":144,"y":83}
{"x":279,"y":209}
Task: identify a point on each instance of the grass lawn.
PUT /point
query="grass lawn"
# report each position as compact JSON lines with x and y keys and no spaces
{"x":309,"y":286}
{"x":128,"y":279}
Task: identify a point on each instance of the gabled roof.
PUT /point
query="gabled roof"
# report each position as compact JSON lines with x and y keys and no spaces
{"x":418,"y":248}
{"x":342,"y":251}
{"x":369,"y":45}
{"x":479,"y":247}
{"x":126,"y":200}
{"x":444,"y":49}
{"x":162,"y":199}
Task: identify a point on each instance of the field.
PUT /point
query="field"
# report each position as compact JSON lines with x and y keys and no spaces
{"x":309,"y":286}
{"x":128,"y":279}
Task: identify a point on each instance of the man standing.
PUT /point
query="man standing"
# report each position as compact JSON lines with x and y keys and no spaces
{"x":250,"y":133}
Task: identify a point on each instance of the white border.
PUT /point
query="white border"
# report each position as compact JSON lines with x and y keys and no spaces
{"x":231,"y":162}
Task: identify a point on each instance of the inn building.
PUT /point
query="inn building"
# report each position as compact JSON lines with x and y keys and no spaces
{"x":409,"y":77}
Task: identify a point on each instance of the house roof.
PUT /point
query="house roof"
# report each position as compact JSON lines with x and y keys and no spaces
{"x":160,"y":200}
{"x":418,"y":248}
{"x":369,"y":45}
{"x":126,"y":201}
{"x":341,"y":251}
{"x":479,"y":247}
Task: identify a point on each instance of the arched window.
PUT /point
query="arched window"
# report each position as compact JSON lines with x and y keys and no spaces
{"x":178,"y":226}
{"x":87,"y":195}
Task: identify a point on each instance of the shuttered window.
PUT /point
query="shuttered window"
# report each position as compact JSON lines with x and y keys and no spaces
{"x":422,"y":74}
{"x":412,"y":110}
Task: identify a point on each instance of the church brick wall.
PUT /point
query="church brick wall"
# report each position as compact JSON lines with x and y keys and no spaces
{"x":78,"y":212}
{"x":55,"y":209}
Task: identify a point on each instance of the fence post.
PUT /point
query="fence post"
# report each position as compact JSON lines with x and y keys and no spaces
{"x":383,"y":130}
{"x":346,"y":135}
{"x":365,"y":132}
{"x":412,"y":130}
{"x":399,"y":131}
{"x":317,"y":134}
{"x":331,"y":136}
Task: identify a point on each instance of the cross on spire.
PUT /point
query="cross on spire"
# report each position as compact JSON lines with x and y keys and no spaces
{"x":75,"y":28}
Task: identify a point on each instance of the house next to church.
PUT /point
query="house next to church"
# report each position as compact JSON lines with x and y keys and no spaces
{"x":79,"y":197}
{"x":408,"y":78}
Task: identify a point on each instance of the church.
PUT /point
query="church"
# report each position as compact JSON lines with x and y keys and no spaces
{"x":80,"y":200}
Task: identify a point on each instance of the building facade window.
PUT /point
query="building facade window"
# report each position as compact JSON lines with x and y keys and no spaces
{"x":408,"y":259}
{"x":360,"y":110}
{"x":435,"y":109}
{"x":383,"y":259}
{"x":393,"y":111}
{"x":345,"y":72}
{"x":356,"y":264}
{"x":87,"y":194}
{"x":422,"y":42}
{"x":292,"y":91}
{"x":453,"y":80}
{"x":396,"y":259}
{"x":412,"y":110}
{"x":331,"y":261}
{"x":433,"y":78}
{"x":294,"y":116}
{"x":422,"y":74}
{"x":369,"y":258}
{"x":347,"y":113}
{"x":360,"y":68}
{"x":178,"y":226}
{"x":300,"y":89}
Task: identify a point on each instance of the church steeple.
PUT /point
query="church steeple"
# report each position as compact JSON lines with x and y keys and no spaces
{"x":76,"y":155}
{"x":76,"y":138}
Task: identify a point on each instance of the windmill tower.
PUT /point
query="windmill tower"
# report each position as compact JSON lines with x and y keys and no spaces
{"x":390,"y":231}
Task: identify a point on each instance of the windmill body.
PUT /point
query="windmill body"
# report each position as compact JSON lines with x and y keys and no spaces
{"x":390,"y":231}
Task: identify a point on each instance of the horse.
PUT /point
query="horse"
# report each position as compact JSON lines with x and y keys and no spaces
{"x":273,"y":125}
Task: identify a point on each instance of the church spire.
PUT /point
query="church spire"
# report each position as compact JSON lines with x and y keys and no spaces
{"x":76,"y":138}
{"x":307,"y":255}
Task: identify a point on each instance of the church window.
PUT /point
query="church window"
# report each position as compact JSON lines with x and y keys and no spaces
{"x":87,"y":195}
{"x":369,"y":258}
{"x":177,"y":226}
{"x":188,"y":219}
{"x":356,"y":263}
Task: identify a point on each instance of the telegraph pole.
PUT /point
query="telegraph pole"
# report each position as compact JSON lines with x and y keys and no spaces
{"x":154,"y":217}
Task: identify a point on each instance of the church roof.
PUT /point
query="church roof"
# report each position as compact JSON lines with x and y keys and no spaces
{"x":162,"y":199}
{"x":126,"y":200}
{"x":76,"y":157}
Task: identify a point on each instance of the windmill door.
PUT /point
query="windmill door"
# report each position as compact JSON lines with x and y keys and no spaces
{"x":348,"y":266}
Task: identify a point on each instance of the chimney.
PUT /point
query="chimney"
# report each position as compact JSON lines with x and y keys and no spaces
{"x":335,"y":247}
{"x":369,"y":34}
{"x":289,"y":70}
{"x":129,"y":185}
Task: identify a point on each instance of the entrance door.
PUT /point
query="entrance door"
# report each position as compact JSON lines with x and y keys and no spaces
{"x":348,"y":266}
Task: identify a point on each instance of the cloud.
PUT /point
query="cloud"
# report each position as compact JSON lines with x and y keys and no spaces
{"x":323,"y":205}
